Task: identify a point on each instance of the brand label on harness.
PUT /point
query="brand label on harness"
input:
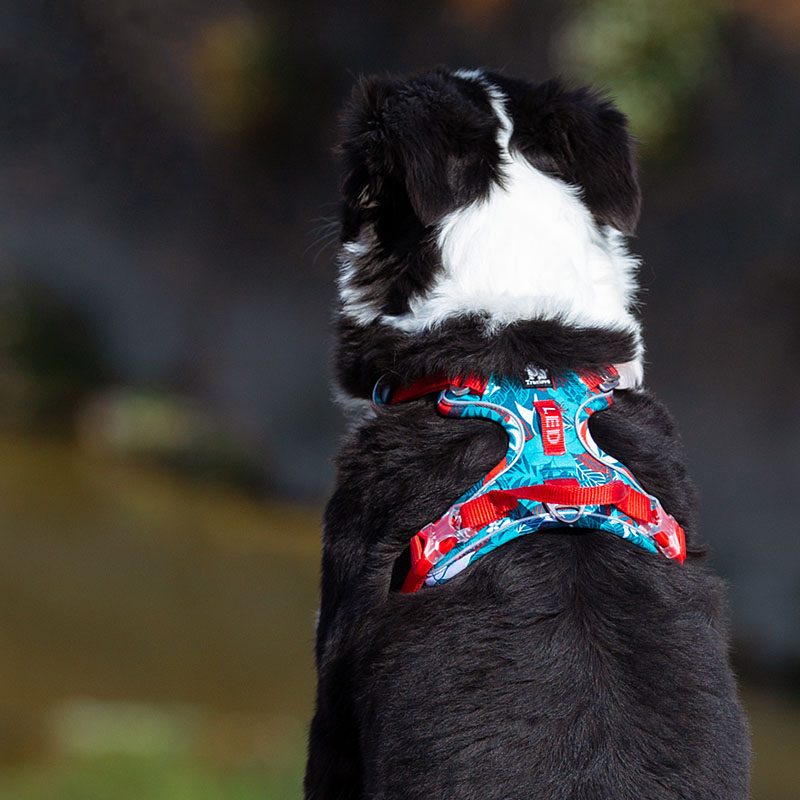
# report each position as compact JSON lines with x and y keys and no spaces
{"x":552,"y":425}
{"x":536,"y":378}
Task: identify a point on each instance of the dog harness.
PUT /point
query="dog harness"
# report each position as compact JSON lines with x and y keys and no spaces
{"x":553,"y":475}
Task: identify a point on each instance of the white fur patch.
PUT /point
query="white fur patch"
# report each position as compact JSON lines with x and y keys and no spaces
{"x":354,"y":304}
{"x":530,"y":250}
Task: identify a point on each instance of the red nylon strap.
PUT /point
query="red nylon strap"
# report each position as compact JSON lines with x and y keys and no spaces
{"x":637,"y":505}
{"x":496,"y":504}
{"x":552,"y":426}
{"x":487,"y":508}
{"x":423,"y":386}
{"x":420,"y":566}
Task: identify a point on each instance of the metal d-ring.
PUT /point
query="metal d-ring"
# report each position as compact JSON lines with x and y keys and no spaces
{"x":381,"y":391}
{"x":557,"y":512}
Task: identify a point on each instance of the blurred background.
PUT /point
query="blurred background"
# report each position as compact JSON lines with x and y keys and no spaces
{"x":167,"y":211}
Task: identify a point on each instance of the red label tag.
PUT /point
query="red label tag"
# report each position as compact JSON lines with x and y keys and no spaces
{"x":552,"y":425}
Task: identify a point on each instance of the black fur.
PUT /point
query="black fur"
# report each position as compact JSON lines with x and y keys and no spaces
{"x":463,"y":346}
{"x":413,"y":150}
{"x":580,"y":137}
{"x":566,"y":665}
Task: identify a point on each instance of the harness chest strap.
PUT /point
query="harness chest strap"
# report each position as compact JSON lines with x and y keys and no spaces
{"x":554,"y":475}
{"x":493,"y":505}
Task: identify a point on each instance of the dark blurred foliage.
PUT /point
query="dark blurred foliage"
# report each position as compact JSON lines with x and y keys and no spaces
{"x":167,"y":239}
{"x":50,"y":360}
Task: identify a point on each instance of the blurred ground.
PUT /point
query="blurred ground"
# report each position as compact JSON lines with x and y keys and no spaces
{"x":156,"y":632}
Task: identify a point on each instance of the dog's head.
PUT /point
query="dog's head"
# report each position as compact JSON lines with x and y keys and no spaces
{"x":469,"y":194}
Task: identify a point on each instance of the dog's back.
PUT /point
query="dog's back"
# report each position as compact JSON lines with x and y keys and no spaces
{"x":565,"y":664}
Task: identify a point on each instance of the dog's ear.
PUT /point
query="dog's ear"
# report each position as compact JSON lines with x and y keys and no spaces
{"x":428,"y":144}
{"x":363,"y":148}
{"x":581,"y":137}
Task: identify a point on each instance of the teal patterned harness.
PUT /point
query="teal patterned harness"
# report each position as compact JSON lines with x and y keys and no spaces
{"x":553,"y":475}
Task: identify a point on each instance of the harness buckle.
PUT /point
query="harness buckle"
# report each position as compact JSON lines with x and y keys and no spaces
{"x":668,"y":535}
{"x":430,"y":545}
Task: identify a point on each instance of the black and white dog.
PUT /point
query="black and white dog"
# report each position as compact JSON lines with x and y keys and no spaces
{"x":483,"y":232}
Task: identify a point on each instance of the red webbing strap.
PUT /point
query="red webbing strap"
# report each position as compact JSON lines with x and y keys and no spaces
{"x":487,"y":508}
{"x":423,"y":386}
{"x":496,"y":504}
{"x":637,"y":506}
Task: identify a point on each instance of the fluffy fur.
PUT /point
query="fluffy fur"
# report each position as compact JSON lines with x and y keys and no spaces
{"x":482,"y":230}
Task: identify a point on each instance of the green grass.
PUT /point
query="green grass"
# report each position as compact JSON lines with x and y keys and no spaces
{"x":776,"y":740}
{"x":147,"y":778}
